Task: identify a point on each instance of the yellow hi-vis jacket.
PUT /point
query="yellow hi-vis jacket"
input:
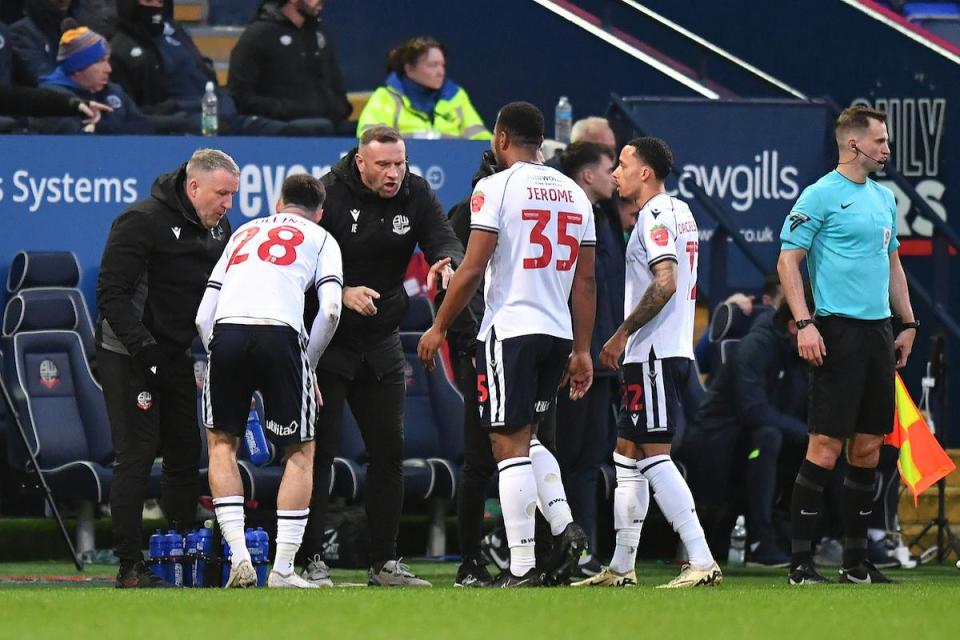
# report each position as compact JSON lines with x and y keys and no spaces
{"x":453,"y":117}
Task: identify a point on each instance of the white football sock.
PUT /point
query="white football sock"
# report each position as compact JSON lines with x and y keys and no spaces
{"x":673,"y":496}
{"x":229,"y":511}
{"x":551,"y":497}
{"x":518,"y":501}
{"x":630,"y":501}
{"x":290,"y":526}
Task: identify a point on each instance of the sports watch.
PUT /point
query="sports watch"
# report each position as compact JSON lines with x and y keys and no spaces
{"x":803,"y":323}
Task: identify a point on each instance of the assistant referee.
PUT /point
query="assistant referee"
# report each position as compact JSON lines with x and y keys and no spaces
{"x":845,"y":226}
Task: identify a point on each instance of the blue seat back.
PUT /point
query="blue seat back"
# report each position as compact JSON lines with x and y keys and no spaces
{"x":50,"y":308}
{"x":419,"y":315}
{"x":433,"y":420}
{"x":32,"y":269}
{"x":59,"y":402}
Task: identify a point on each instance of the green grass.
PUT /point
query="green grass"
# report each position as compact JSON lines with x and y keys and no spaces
{"x":749,"y":604}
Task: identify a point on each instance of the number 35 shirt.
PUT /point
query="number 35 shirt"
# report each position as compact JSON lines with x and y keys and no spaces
{"x":542,"y":218}
{"x":665,"y":230}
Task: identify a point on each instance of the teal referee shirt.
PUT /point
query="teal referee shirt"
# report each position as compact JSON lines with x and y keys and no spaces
{"x":848,"y":230}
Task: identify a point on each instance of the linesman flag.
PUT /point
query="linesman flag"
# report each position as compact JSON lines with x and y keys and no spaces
{"x":922,"y":460}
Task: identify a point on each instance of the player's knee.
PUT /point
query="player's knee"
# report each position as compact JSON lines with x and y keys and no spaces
{"x":300,"y":455}
{"x":627,"y":448}
{"x":864,"y":452}
{"x":823,"y":451}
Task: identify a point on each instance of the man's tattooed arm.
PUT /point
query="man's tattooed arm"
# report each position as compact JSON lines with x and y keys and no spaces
{"x":656,"y":296}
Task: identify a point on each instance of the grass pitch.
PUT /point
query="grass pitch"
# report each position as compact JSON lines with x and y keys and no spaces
{"x":751,"y":603}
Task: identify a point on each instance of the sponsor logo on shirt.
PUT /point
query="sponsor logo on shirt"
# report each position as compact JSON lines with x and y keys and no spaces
{"x":476,"y":202}
{"x":659,"y":235}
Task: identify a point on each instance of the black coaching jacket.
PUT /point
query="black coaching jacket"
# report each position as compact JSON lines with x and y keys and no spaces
{"x":377,"y":237}
{"x":154,"y":271}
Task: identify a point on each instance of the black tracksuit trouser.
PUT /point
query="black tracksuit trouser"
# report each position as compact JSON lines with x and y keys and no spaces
{"x":146,"y":422}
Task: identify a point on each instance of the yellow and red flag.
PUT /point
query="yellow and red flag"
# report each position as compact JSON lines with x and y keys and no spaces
{"x":922,"y":460}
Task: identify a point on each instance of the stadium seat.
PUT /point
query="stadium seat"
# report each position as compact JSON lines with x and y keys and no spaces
{"x":419,"y":315}
{"x":50,"y":308}
{"x":728,"y":349}
{"x":32,"y":269}
{"x":64,"y":415}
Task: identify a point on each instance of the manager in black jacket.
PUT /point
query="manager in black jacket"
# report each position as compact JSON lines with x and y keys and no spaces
{"x":378,"y":213}
{"x":153,"y":273}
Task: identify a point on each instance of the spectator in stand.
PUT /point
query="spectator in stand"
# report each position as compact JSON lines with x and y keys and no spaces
{"x":35,"y":38}
{"x":6,"y":57}
{"x":419,"y":100}
{"x":156,"y":61}
{"x":83,"y":69}
{"x":285,"y":67}
{"x":96,"y":15}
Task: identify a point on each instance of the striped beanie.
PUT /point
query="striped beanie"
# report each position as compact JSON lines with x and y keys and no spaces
{"x":80,"y":47}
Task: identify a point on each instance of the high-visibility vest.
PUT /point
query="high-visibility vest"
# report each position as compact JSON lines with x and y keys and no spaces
{"x":452,"y":118}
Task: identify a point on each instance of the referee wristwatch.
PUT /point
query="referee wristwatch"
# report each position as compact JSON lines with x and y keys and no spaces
{"x":915,"y":324}
{"x":801,"y":324}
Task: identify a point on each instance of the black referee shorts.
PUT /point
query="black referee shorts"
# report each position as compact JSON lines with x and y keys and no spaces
{"x":271,"y":359}
{"x":853,"y":391}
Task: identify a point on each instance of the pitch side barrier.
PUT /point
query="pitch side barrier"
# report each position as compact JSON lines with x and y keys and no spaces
{"x":63,"y":192}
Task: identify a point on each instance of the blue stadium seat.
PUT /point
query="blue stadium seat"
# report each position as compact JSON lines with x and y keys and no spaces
{"x":433,"y":424}
{"x":728,"y":349}
{"x":32,"y":269}
{"x":64,"y":417}
{"x":50,"y":308}
{"x":419,"y":315}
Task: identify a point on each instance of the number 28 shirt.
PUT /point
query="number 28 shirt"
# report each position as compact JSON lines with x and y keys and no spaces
{"x":542,"y":218}
{"x":665,"y":230}
{"x":268,"y":265}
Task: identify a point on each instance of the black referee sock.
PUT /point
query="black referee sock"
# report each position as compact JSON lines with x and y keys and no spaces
{"x":856,"y":510}
{"x":805,"y":509}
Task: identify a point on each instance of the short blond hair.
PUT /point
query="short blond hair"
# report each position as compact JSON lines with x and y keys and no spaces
{"x":207,"y":160}
{"x":857,"y":119}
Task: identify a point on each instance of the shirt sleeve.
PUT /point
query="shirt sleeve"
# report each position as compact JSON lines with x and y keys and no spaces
{"x":894,"y":242}
{"x":485,"y":206}
{"x":659,"y":236}
{"x":589,"y":238}
{"x":804,"y":221}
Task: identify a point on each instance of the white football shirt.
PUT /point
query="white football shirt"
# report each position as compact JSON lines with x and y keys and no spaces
{"x":267,"y":266}
{"x":665,"y":230}
{"x":542,"y":218}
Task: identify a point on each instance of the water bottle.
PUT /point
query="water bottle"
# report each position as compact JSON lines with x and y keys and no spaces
{"x":156,"y":553}
{"x":204,"y":555}
{"x":189,"y":558}
{"x":263,"y":543}
{"x":255,"y":440}
{"x":738,"y":543}
{"x":208,"y":119}
{"x":254,"y":548}
{"x":225,"y":564}
{"x":562,"y":120}
{"x":174,"y":558}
